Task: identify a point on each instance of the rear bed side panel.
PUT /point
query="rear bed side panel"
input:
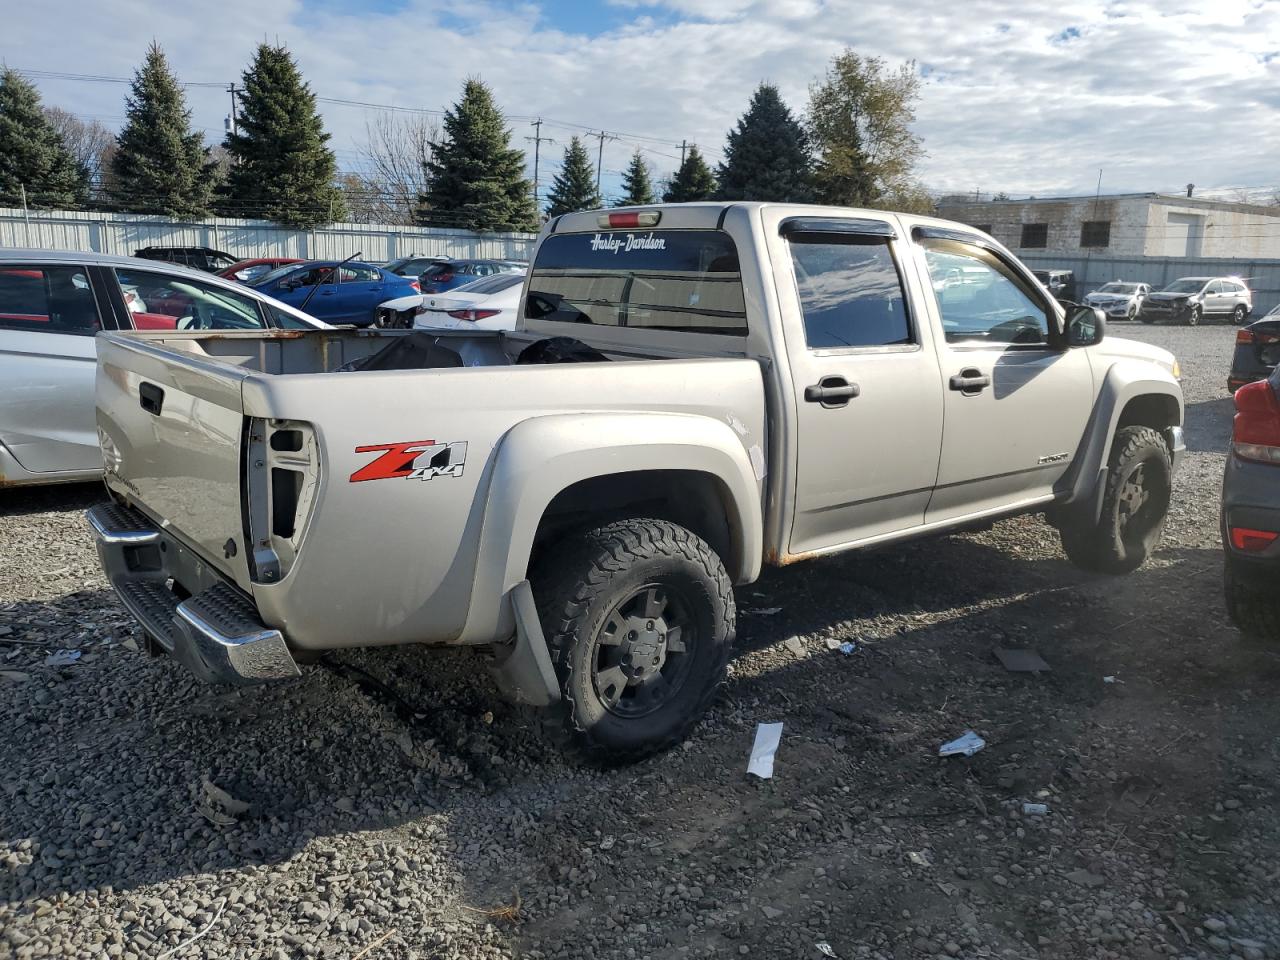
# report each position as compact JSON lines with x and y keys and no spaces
{"x":389,"y":553}
{"x":178,"y":460}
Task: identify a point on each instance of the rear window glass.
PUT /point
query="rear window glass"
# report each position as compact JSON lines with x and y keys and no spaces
{"x":494,"y":284}
{"x":685,"y":281}
{"x":47,"y":300}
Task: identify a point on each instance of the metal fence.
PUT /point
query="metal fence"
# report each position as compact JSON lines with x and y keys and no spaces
{"x":123,"y":233}
{"x":1262,"y":276}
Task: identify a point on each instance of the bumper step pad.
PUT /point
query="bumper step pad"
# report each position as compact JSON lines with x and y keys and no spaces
{"x":216,"y":634}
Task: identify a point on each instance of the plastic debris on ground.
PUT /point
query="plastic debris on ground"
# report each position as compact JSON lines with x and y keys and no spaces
{"x":768,"y":736}
{"x":62,"y":658}
{"x":920,"y":858}
{"x":219,"y":807}
{"x":1021,"y":661}
{"x":1112,"y":680}
{"x":965,"y":745}
{"x":1035,"y":809}
{"x":824,"y":948}
{"x":847,"y":648}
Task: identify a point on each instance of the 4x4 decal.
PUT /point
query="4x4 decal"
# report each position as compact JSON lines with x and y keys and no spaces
{"x":412,"y":460}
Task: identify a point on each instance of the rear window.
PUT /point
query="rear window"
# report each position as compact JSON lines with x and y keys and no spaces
{"x":47,"y":300}
{"x":494,"y":284}
{"x":684,"y":281}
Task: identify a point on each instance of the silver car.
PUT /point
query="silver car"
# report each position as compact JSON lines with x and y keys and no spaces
{"x":1191,"y":299}
{"x":52,"y":303}
{"x":1119,"y":300}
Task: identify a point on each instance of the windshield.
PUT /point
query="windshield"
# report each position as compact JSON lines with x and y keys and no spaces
{"x":273,"y":275}
{"x":686,"y":281}
{"x":1187,"y":285}
{"x":1124,"y":288}
{"x":496,"y":284}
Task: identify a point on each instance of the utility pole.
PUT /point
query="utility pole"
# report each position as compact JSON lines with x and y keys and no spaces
{"x":231,"y":89}
{"x":683,"y":144}
{"x":538,"y":140}
{"x":602,"y":137}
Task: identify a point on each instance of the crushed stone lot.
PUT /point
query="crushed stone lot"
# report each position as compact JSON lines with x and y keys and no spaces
{"x":390,"y":806}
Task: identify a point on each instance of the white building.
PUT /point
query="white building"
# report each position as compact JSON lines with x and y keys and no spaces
{"x":1125,"y":225}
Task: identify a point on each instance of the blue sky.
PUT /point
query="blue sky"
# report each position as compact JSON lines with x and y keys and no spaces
{"x":1025,"y":98}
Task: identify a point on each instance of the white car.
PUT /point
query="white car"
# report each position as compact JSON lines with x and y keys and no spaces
{"x":491,"y":303}
{"x":1118,"y":299}
{"x":52,"y":303}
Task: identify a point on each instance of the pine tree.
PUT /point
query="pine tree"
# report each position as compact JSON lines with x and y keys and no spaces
{"x":693,"y":181}
{"x":637,"y":187}
{"x":161,"y":165}
{"x":282,"y":168}
{"x":33,"y":157}
{"x":475,"y":179}
{"x":767,"y":156}
{"x":574,"y":187}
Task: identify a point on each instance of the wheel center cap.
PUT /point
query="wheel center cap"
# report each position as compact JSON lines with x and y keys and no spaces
{"x":645,"y":647}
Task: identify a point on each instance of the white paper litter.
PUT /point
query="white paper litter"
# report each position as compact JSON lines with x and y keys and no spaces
{"x":768,"y":736}
{"x":966,"y":745}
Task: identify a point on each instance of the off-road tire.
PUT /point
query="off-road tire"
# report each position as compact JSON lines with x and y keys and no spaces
{"x":1103,"y":547}
{"x":585,"y":581}
{"x":1255,"y":612}
{"x":1239,"y":314}
{"x":1194,"y":315}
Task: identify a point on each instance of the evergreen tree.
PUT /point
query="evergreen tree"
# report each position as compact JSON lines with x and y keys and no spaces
{"x":637,"y":187}
{"x":160,"y":164}
{"x":475,"y":179}
{"x":767,"y":156}
{"x":574,"y":187}
{"x":693,"y":181}
{"x":282,"y":168}
{"x":33,"y":156}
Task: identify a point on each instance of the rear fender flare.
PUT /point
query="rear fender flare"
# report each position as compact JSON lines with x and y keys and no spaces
{"x":542,"y":456}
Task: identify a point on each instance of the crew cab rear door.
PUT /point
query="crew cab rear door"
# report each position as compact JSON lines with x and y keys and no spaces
{"x":867,"y":394}
{"x":1017,"y":398}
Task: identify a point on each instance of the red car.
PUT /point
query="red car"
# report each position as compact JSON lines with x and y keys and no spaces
{"x":246,"y":271}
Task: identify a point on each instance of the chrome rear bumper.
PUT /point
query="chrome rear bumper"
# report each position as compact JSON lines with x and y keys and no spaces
{"x":215,"y":633}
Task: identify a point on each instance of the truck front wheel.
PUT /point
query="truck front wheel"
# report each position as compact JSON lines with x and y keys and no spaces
{"x":1139,"y":484}
{"x":639,"y":620}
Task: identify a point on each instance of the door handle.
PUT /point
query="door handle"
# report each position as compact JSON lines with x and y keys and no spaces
{"x":971,"y":381}
{"x":150,"y":398}
{"x":831,"y":392}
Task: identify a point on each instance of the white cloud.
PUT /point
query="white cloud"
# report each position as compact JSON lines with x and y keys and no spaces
{"x":1028,"y":101}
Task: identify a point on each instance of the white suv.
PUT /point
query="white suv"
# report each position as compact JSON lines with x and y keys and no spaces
{"x":1191,"y":299}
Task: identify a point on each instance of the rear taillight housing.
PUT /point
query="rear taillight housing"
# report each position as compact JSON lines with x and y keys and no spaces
{"x":473,"y":315}
{"x":417,"y":287}
{"x":1244,"y":336}
{"x":1248,"y":540}
{"x":1255,"y":431}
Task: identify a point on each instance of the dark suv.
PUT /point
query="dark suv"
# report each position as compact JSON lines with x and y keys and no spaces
{"x":201,"y":258}
{"x":1060,"y":283}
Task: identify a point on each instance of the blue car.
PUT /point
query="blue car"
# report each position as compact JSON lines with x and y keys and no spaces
{"x":348,"y":294}
{"x":440,"y":277}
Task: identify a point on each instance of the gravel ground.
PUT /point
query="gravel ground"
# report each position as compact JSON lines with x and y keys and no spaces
{"x":416,"y":815}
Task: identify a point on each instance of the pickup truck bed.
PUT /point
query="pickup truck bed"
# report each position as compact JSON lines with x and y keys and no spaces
{"x":182,"y":415}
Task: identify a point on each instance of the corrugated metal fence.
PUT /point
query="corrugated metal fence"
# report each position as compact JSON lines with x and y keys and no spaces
{"x":123,"y":233}
{"x":1262,"y":276}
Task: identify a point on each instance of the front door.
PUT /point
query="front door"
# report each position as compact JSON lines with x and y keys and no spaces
{"x":867,"y":393}
{"x":1017,"y":399}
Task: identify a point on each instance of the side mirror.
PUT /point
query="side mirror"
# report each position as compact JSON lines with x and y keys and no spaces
{"x":1086,"y":326}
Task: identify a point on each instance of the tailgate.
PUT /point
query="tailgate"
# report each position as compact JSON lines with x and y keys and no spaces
{"x":170,"y":423}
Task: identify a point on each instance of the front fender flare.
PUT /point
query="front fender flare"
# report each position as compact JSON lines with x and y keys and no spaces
{"x":1124,"y":381}
{"x":541,"y":456}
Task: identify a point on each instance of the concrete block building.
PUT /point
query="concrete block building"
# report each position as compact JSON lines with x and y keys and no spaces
{"x":1125,"y":225}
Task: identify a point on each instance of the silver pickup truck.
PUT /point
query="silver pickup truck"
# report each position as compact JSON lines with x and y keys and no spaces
{"x":693,"y":391}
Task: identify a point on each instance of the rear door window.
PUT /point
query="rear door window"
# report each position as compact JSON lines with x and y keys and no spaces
{"x":685,"y":281}
{"x":47,"y":299}
{"x":851,"y":293}
{"x":157,"y":301}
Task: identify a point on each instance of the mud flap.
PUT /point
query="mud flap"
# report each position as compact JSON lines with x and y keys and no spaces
{"x":522,"y":667}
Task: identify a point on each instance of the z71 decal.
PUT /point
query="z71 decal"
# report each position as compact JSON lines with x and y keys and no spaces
{"x":412,"y":460}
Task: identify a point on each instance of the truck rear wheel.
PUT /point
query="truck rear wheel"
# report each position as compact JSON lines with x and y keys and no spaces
{"x":638,"y":616}
{"x":1139,"y":485}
